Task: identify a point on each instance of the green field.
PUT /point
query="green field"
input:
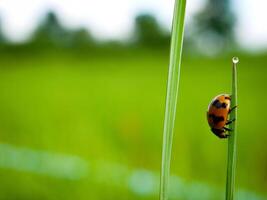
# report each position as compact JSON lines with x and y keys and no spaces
{"x":89,"y":126}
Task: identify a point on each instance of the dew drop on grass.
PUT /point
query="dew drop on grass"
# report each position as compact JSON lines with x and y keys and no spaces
{"x":235,"y":60}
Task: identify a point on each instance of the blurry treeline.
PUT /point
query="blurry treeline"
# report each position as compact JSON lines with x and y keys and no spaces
{"x":210,"y":32}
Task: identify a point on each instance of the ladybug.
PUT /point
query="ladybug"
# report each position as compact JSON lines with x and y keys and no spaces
{"x":217,"y":115}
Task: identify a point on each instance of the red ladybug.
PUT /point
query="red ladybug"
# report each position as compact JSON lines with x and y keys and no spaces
{"x":217,"y":115}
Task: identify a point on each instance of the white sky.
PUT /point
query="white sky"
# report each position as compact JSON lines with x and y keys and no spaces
{"x":114,"y":18}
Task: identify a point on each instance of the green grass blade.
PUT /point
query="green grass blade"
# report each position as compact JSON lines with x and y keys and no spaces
{"x":172,"y":93}
{"x":231,"y":165}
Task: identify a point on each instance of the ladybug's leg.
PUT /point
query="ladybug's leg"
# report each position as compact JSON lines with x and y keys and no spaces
{"x":230,"y":121}
{"x":227,"y":129}
{"x":231,"y":109}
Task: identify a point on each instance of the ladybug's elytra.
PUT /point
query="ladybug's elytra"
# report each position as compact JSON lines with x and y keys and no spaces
{"x":217,"y":115}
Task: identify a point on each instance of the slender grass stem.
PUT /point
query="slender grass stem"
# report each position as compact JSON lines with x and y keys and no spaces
{"x":172,"y":93}
{"x":231,"y":165}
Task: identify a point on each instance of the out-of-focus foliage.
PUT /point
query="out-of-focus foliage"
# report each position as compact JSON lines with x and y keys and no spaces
{"x":210,"y":33}
{"x":52,"y":33}
{"x":216,"y":17}
{"x":2,"y":37}
{"x":81,"y":38}
{"x":148,"y":32}
{"x":213,"y":29}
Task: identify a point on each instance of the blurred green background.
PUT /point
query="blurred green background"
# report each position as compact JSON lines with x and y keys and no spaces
{"x":82,"y":118}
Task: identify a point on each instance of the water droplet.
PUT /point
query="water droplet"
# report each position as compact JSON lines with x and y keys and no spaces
{"x":235,"y":60}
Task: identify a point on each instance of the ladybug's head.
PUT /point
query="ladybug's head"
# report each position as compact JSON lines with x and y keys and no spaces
{"x":221,"y":133}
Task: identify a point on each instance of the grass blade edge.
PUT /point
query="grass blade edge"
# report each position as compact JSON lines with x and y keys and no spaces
{"x":231,"y":163}
{"x":172,"y":93}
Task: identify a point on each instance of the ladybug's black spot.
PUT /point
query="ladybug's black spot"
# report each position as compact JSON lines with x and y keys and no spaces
{"x":216,"y":119}
{"x":226,"y":97}
{"x":215,"y":103}
{"x":224,"y":105}
{"x":218,"y":104}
